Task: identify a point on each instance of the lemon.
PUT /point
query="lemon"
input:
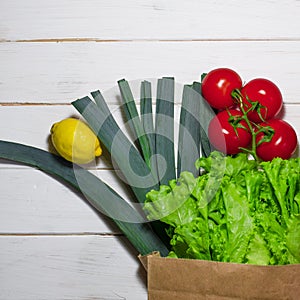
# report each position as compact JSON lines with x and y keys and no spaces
{"x":75,"y":141}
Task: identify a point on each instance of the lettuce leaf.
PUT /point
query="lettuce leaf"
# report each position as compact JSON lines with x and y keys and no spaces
{"x":173,"y":204}
{"x":239,"y":222}
{"x":293,"y":239}
{"x":237,"y":210}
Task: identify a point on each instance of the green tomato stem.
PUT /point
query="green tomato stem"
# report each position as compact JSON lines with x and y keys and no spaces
{"x":236,"y":94}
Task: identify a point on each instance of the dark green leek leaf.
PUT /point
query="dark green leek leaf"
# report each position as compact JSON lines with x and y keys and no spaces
{"x":189,"y":131}
{"x":206,"y":114}
{"x":99,"y":194}
{"x":100,"y":101}
{"x":134,"y":121}
{"x":147,"y":121}
{"x":146,"y":107}
{"x":164,"y":130}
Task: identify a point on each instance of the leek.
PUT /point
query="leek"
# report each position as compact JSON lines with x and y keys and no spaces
{"x":164,"y":130}
{"x":206,"y":115}
{"x":138,"y":175}
{"x":189,"y":131}
{"x":147,"y":121}
{"x":145,"y":167}
{"x":127,"y":157}
{"x":134,"y":120}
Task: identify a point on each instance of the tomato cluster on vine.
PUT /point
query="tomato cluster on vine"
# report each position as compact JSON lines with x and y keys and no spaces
{"x":247,"y":116}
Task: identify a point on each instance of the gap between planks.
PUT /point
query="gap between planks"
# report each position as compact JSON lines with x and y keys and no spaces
{"x":17,"y":103}
{"x":104,"y":234}
{"x":97,"y":40}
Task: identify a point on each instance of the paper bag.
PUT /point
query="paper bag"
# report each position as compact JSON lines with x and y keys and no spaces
{"x":187,"y":279}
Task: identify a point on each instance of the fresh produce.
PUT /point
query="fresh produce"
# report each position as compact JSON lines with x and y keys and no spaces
{"x":228,"y":131}
{"x":228,"y":208}
{"x":262,"y":99}
{"x":259,"y":102}
{"x":217,"y":86}
{"x":283,"y":141}
{"x":238,"y":211}
{"x":138,"y":156}
{"x":75,"y":141}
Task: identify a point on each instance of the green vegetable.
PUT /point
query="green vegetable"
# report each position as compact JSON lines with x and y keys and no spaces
{"x":139,"y":176}
{"x":138,"y":160}
{"x":147,"y":121}
{"x":238,"y":210}
{"x":164,"y":130}
{"x":195,"y":116}
{"x":134,"y":121}
{"x":127,"y":157}
{"x":189,"y":131}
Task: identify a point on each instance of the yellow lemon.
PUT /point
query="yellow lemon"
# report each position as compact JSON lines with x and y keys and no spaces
{"x":75,"y":141}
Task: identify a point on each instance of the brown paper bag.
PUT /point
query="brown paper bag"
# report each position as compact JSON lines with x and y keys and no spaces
{"x":186,"y":279}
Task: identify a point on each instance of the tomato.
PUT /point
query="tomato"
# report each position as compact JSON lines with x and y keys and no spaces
{"x":266,"y":94}
{"x":283,"y":143}
{"x":227,"y":132}
{"x":217,"y":86}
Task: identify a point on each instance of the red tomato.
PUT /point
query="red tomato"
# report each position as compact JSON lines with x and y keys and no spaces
{"x":222,"y":134}
{"x":283,"y":143}
{"x":267,"y":94}
{"x":217,"y":86}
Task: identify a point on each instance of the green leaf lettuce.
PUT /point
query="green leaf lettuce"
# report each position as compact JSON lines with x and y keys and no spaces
{"x":237,"y":210}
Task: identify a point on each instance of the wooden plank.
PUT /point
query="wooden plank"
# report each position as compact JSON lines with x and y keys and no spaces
{"x":31,"y":124}
{"x":63,"y":72}
{"x":41,"y":199}
{"x":135,"y":19}
{"x":70,"y":267}
{"x":34,"y":202}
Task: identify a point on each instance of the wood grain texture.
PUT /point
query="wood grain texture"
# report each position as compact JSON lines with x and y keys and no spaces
{"x":70,"y":267}
{"x":53,"y":245}
{"x":155,"y":19}
{"x":30,"y":124}
{"x":62,"y":72}
{"x":42,"y":204}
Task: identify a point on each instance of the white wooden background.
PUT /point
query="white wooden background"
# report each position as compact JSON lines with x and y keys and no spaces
{"x":53,"y":245}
